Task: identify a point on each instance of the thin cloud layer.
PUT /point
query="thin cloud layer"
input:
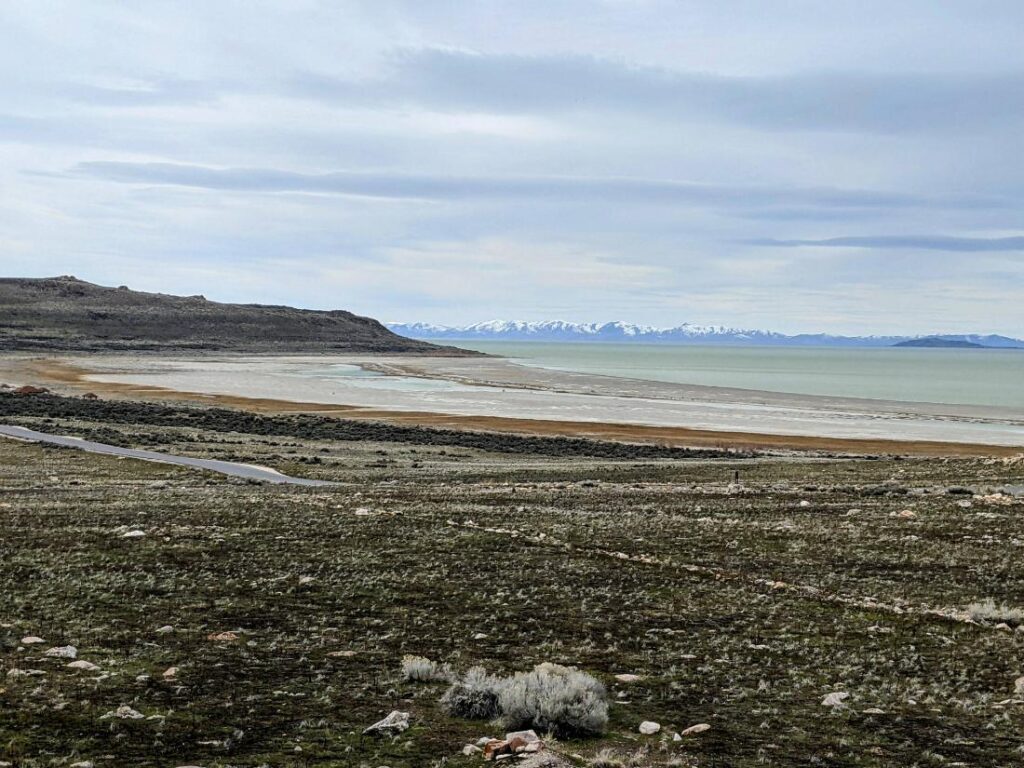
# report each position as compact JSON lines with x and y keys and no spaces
{"x":658,"y":162}
{"x":913,"y":242}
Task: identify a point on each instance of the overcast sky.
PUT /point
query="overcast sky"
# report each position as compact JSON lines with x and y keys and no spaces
{"x":802,"y":166}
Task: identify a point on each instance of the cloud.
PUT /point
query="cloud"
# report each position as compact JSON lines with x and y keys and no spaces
{"x":915,"y":242}
{"x":823,"y":101}
{"x":484,"y":188}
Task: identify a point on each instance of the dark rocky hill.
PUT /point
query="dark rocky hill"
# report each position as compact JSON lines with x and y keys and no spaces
{"x":71,"y":315}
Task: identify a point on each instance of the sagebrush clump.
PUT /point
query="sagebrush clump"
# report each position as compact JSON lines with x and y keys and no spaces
{"x":473,"y":696}
{"x":987,"y":610}
{"x":562,"y":700}
{"x":422,"y":670}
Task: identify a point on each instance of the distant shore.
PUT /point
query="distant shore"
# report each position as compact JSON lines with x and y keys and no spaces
{"x":496,"y":394}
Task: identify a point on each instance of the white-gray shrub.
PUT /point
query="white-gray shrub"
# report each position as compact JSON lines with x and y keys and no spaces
{"x":562,"y":700}
{"x":473,"y":696}
{"x":987,"y":610}
{"x":422,"y":670}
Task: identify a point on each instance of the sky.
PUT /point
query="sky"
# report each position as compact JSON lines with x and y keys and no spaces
{"x":843,"y":166}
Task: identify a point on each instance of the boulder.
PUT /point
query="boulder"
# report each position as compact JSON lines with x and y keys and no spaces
{"x":649,"y":728}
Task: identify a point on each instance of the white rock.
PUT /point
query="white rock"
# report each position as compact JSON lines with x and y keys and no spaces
{"x":471,"y":749}
{"x":165,"y":629}
{"x":1018,"y":686}
{"x":805,"y":503}
{"x":649,"y":728}
{"x":82,"y":764}
{"x":85,"y":666}
{"x":874,"y":711}
{"x":693,"y":730}
{"x":835,"y":699}
{"x":124,"y":712}
{"x":135,"y":533}
{"x":479,"y":636}
{"x":32,"y":640}
{"x":303,"y":580}
{"x":627,"y":678}
{"x":63,"y":652}
{"x":393,"y":724}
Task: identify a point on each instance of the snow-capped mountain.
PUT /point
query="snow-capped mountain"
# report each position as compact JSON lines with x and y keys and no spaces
{"x":559,"y":330}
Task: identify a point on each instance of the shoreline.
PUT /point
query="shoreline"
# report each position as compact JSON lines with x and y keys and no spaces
{"x":75,"y":377}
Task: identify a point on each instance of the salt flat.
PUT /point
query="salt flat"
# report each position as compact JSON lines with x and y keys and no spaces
{"x":498,"y":388}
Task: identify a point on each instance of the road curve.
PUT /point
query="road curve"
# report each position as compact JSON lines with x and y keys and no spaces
{"x":245,"y":471}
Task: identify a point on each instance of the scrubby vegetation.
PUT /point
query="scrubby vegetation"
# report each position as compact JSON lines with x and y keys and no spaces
{"x":474,"y":696}
{"x":553,"y":698}
{"x":422,"y":670}
{"x":223,"y":623}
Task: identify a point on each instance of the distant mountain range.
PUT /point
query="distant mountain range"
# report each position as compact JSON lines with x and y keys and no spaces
{"x":557,"y":330}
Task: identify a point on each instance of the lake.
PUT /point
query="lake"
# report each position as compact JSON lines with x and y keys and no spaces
{"x":964,"y":376}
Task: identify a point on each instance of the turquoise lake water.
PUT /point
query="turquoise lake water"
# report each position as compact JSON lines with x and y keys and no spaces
{"x":966,"y":376}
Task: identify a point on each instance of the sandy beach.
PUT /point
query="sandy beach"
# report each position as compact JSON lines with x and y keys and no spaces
{"x":494,"y":393}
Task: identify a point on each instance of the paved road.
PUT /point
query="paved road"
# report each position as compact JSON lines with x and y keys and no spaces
{"x":230,"y":468}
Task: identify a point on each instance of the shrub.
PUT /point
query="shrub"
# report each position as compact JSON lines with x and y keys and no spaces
{"x":474,"y":696}
{"x":562,"y":700}
{"x":987,"y":610}
{"x":419,"y":669}
{"x":606,"y":758}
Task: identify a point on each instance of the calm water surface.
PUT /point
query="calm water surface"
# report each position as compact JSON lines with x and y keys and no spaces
{"x":967,"y":376}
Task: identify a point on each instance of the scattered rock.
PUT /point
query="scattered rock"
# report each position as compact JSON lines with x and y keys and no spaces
{"x":170,"y":673}
{"x":85,"y":666}
{"x":693,"y":730}
{"x":496,"y":747}
{"x":479,"y":636}
{"x":874,"y":711}
{"x":222,"y":637}
{"x":1018,"y":686}
{"x":25,"y":673}
{"x":124,"y":712}
{"x":90,"y":396}
{"x":82,"y":764}
{"x":835,"y":699}
{"x":805,"y":503}
{"x":165,"y":629}
{"x":471,"y":749}
{"x":907,"y":514}
{"x":391,"y":725}
{"x":649,"y":728}
{"x":627,"y":678}
{"x":304,"y":580}
{"x":523,"y":741}
{"x":63,"y":652}
{"x":135,"y":533}
{"x":342,"y":654}
{"x":32,"y":640}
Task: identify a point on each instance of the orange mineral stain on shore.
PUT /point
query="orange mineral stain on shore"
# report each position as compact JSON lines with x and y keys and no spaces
{"x":75,"y":378}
